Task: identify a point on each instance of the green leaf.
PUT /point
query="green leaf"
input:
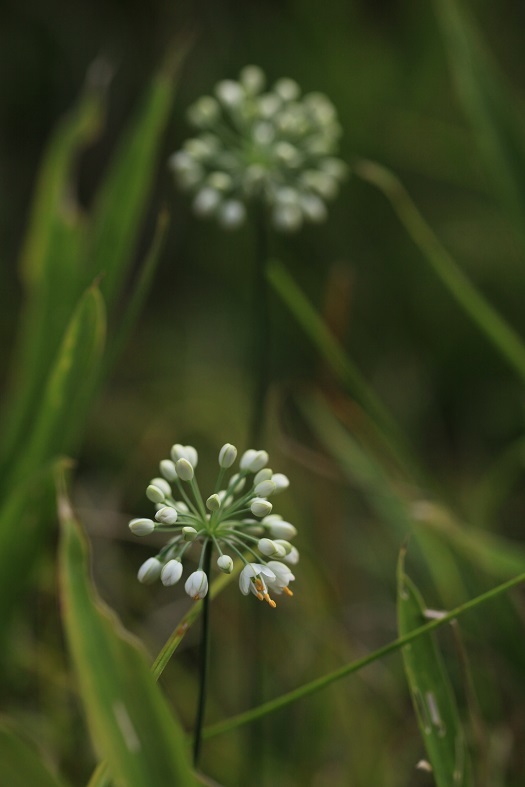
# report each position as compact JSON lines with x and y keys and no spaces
{"x":52,"y":268}
{"x":25,"y":513}
{"x":65,"y":398}
{"x":128,"y":717}
{"x":123,"y":196}
{"x":503,"y":337}
{"x":343,"y":367}
{"x":20,"y":765}
{"x":490,"y":106}
{"x":431,"y":692}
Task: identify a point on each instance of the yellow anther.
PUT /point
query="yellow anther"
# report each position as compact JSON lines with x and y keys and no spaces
{"x":259,"y":596}
{"x":288,"y":591}
{"x":270,"y":601}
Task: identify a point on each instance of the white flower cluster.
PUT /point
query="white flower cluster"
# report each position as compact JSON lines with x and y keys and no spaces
{"x":275,"y":146}
{"x":236,"y":519}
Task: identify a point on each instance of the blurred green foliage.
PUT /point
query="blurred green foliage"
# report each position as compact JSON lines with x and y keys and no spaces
{"x":73,"y":257}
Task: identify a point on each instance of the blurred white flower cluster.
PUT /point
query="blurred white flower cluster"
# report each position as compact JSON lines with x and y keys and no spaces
{"x":274,"y":146}
{"x":236,"y":519}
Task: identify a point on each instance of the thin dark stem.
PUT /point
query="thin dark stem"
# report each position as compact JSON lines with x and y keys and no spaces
{"x":204,"y":658}
{"x":261,"y":331}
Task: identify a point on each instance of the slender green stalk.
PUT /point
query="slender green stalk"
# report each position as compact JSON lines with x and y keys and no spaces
{"x":354,"y":666}
{"x":205,"y":657}
{"x":495,"y":328}
{"x":261,"y":329}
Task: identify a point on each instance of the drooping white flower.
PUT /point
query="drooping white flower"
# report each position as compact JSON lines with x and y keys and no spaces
{"x":171,"y":572}
{"x":196,"y":585}
{"x":252,"y":578}
{"x":283,"y":577}
{"x":149,"y":571}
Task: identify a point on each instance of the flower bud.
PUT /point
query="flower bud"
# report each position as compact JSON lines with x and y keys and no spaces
{"x":292,"y":557}
{"x":227,"y":455}
{"x":229,"y":93}
{"x":253,"y":460}
{"x":167,"y":468}
{"x":181,"y":507}
{"x":282,"y":530}
{"x":171,"y":572}
{"x":260,"y":507}
{"x":281,"y":482}
{"x":287,"y":89}
{"x":225,"y":563}
{"x":206,"y":201}
{"x":236,"y":484}
{"x":252,"y":79}
{"x":162,"y":484}
{"x":196,"y":585}
{"x":270,"y":548}
{"x":167,"y":515}
{"x":184,"y":469}
{"x":142,"y":527}
{"x":265,"y":488}
{"x":155,"y":494}
{"x":188,"y":452}
{"x":149,"y":571}
{"x":189,"y":533}
{"x":263,"y":475}
{"x":213,"y":503}
{"x":286,"y":546}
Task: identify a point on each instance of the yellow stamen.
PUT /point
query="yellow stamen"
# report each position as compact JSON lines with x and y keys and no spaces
{"x":288,"y":591}
{"x":259,"y":596}
{"x":270,"y":601}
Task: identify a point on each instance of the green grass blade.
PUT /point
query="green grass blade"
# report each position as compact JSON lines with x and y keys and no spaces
{"x":431,"y":692}
{"x":355,"y":666}
{"x":20,"y":765}
{"x":127,"y":714}
{"x":490,"y":106}
{"x":140,"y":292}
{"x":343,"y":367}
{"x":51,"y":266}
{"x":64,"y":401}
{"x":25,"y":514}
{"x":123,"y":196}
{"x":504,"y":338}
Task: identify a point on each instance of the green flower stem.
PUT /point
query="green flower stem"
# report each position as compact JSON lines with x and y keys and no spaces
{"x":205,"y":657}
{"x":198,"y":497}
{"x":495,"y":328}
{"x":354,"y":666}
{"x":350,"y":376}
{"x":186,"y":497}
{"x":261,"y":328}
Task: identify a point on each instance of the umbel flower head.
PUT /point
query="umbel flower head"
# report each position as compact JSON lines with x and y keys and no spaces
{"x":236,"y":519}
{"x":274,"y":146}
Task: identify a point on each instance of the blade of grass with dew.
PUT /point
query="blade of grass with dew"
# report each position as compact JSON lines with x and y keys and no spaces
{"x":502,"y":336}
{"x":51,"y":268}
{"x":20,"y":765}
{"x":122,"y":199}
{"x":355,"y":666}
{"x":61,"y":412}
{"x":127,"y":714}
{"x":343,"y":367}
{"x":490,"y":105}
{"x":431,"y":691}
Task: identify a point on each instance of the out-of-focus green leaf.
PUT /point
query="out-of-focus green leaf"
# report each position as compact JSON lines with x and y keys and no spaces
{"x":343,"y":367}
{"x":490,"y":106}
{"x":52,"y":267}
{"x":63,"y":402}
{"x":59,"y":418}
{"x":139,"y":293}
{"x":431,"y":691}
{"x":127,"y":714}
{"x":503,"y":337}
{"x":20,"y":765}
{"x":120,"y":204}
{"x":403,"y":509}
